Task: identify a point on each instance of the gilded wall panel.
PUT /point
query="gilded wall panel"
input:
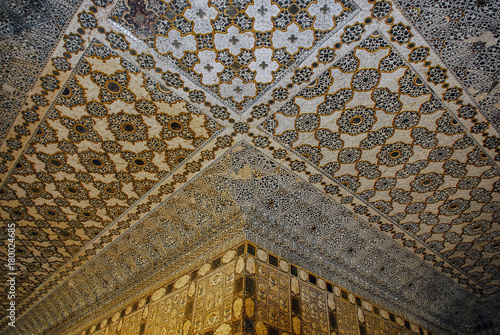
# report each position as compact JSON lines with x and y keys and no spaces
{"x":345,"y":317}
{"x":378,"y":326}
{"x":113,"y":329}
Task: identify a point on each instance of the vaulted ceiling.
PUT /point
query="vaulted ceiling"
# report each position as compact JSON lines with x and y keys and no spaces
{"x":360,"y":135}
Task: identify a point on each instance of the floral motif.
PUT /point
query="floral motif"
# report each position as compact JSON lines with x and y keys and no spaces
{"x":423,"y":137}
{"x":234,"y":40}
{"x":307,"y":122}
{"x":356,"y":120}
{"x":246,"y":31}
{"x":406,"y":120}
{"x":117,"y":41}
{"x":385,"y":184}
{"x":324,"y":11}
{"x":312,"y":154}
{"x":381,"y":9}
{"x":477,"y":227}
{"x":352,"y":33}
{"x":263,"y":65}
{"x":350,"y":182}
{"x":329,"y":139}
{"x":201,"y":14}
{"x":415,"y":207}
{"x":74,"y":43}
{"x":440,"y":154}
{"x":113,"y":87}
{"x":427,"y":182}
{"x":452,"y":207}
{"x":400,"y":33}
{"x":349,"y":155}
{"x":468,"y":183}
{"x":365,"y":80}
{"x":368,"y":170}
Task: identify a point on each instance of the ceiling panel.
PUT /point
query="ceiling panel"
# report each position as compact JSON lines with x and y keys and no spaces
{"x":133,"y":128}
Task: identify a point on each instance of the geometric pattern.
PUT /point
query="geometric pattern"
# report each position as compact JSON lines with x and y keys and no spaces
{"x":29,"y":32}
{"x":93,"y":157}
{"x":357,"y":139}
{"x":380,"y":132}
{"x":210,"y":209}
{"x":466,"y":37}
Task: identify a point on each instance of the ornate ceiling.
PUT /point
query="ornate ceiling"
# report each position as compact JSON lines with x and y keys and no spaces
{"x":359,"y":137}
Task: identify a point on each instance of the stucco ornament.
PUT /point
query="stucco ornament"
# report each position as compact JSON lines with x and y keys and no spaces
{"x":324,"y":11}
{"x":201,"y":14}
{"x":238,"y":90}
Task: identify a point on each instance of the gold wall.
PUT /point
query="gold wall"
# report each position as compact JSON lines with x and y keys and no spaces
{"x":247,"y":290}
